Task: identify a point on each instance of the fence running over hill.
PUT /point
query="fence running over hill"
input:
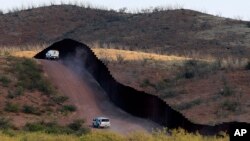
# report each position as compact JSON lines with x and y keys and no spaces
{"x":135,"y":102}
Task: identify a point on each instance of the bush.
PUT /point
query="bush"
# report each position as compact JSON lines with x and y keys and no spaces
{"x":10,"y":107}
{"x":227,"y":89}
{"x":248,"y":66}
{"x":9,"y":132}
{"x":232,"y":106}
{"x":5,"y":80}
{"x":194,"y":68}
{"x":31,"y":110}
{"x":146,"y":83}
{"x":18,"y":92}
{"x":5,"y":123}
{"x":188,"y":105}
{"x":168,"y":93}
{"x":59,"y":99}
{"x":30,"y":76}
{"x":33,"y":127}
{"x":76,"y":125}
{"x":53,"y":128}
{"x":68,"y":108}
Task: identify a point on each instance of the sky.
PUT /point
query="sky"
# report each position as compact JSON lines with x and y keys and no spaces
{"x":239,"y":9}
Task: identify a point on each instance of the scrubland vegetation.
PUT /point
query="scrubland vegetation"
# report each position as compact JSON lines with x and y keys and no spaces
{"x":176,"y":135}
{"x":26,"y":92}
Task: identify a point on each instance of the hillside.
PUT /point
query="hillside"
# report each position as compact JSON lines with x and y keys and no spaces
{"x":28,"y":100}
{"x":207,"y":91}
{"x":171,"y":31}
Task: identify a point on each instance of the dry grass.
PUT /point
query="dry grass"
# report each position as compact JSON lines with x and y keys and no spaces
{"x":177,"y":135}
{"x":112,"y":54}
{"x":21,"y":51}
{"x":28,"y":54}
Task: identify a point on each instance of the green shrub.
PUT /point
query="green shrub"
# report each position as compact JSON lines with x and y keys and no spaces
{"x":168,"y":93}
{"x":17,"y":92}
{"x":30,"y":76}
{"x":59,"y":99}
{"x":9,"y":132}
{"x":194,"y":68}
{"x":146,"y":83}
{"x":76,"y":125}
{"x":11,"y":94}
{"x":10,"y":107}
{"x":188,"y":105}
{"x":28,"y":109}
{"x":232,"y":106}
{"x":68,"y":108}
{"x":227,"y":89}
{"x":5,"y":123}
{"x":5,"y":80}
{"x":33,"y":127}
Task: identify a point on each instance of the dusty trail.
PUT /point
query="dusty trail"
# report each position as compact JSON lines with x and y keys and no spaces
{"x":91,"y":100}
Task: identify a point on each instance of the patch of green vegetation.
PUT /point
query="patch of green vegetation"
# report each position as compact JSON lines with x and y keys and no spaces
{"x":164,"y":84}
{"x":5,"y":123}
{"x":76,"y":127}
{"x":188,"y":105}
{"x":146,"y":83}
{"x":68,"y":108}
{"x":167,"y":89}
{"x":59,"y":99}
{"x":168,"y":93}
{"x":232,"y":106}
{"x":11,"y":107}
{"x":227,"y":90}
{"x":28,"y":109}
{"x":195,"y":68}
{"x":30,"y":76}
{"x":5,"y":81}
{"x":17,"y":92}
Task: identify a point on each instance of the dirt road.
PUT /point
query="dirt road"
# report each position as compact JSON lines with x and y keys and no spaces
{"x":90,"y":100}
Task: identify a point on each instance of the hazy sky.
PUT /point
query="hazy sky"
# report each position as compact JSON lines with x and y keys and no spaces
{"x":227,"y":8}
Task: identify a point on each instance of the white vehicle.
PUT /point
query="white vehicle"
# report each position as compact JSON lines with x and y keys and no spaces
{"x":101,"y":122}
{"x":52,"y":54}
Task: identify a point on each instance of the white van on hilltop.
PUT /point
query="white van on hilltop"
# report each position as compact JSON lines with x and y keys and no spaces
{"x":101,"y":122}
{"x":52,"y":54}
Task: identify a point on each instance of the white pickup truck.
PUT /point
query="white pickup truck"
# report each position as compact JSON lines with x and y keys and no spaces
{"x":101,"y":122}
{"x":52,"y":54}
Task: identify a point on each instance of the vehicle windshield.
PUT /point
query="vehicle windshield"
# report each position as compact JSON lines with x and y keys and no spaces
{"x":105,"y":120}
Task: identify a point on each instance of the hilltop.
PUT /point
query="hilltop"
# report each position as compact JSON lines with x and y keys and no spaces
{"x":181,"y":31}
